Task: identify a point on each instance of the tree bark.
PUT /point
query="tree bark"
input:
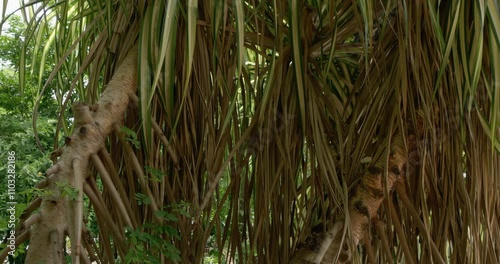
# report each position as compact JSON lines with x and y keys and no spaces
{"x":61,"y":213}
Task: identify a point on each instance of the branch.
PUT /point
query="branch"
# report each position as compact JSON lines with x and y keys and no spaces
{"x":91,"y":127}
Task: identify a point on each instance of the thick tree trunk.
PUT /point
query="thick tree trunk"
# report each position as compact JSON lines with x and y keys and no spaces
{"x":330,"y":247}
{"x":61,"y":213}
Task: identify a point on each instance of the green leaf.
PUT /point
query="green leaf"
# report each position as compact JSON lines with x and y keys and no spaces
{"x":166,"y":215}
{"x":155,"y":174}
{"x":131,"y":136}
{"x":142,"y":198}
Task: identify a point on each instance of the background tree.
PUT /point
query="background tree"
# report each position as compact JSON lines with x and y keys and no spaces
{"x":254,"y":122}
{"x":16,"y":133}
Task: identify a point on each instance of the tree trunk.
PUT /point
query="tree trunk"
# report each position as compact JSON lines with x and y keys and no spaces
{"x":331,"y":247}
{"x":61,"y":210}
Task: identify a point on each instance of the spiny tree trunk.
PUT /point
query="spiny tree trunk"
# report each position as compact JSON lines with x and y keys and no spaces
{"x":61,"y":213}
{"x":364,"y":202}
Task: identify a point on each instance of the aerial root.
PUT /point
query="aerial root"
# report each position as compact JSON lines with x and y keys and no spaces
{"x":35,"y":204}
{"x":19,"y":240}
{"x":108,"y":183}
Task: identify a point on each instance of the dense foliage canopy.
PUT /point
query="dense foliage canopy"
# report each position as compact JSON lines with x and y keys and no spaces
{"x":257,"y":125}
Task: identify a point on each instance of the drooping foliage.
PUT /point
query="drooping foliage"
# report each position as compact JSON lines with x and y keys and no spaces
{"x":256,"y":123}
